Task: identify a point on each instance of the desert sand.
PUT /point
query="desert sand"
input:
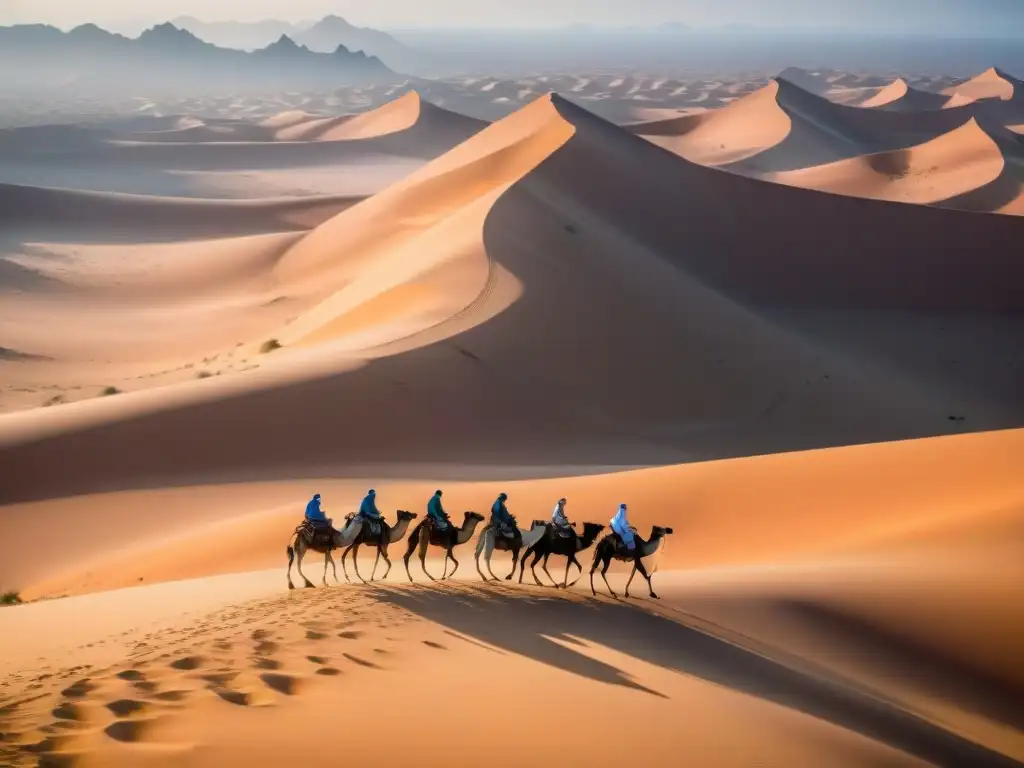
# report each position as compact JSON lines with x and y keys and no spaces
{"x":753,"y":311}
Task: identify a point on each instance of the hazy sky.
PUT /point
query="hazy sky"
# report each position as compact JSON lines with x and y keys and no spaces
{"x":908,"y":14}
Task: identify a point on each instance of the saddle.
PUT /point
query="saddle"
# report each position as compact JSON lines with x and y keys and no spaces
{"x":317,"y":533}
{"x":509,"y":531}
{"x":563,"y":532}
{"x":374,"y":527}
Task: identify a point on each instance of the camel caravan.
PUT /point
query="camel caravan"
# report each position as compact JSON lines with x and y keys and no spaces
{"x":554,"y":536}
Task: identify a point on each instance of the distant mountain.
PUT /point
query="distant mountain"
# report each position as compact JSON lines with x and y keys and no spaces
{"x":245,"y":36}
{"x":323,"y":36}
{"x":90,"y":60}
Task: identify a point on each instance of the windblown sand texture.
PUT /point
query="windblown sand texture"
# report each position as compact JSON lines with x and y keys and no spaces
{"x":765,"y":325}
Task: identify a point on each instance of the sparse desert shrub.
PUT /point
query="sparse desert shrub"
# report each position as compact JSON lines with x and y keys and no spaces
{"x":269,"y":346}
{"x":10,"y":598}
{"x":110,"y":391}
{"x":203,"y":375}
{"x":55,"y":400}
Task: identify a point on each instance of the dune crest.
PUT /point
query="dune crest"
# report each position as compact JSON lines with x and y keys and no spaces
{"x":900,"y":96}
{"x":740,"y":130}
{"x":403,"y":114}
{"x":955,"y":163}
{"x":990,"y":84}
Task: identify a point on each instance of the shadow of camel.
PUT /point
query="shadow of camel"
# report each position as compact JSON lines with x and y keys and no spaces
{"x":518,"y":621}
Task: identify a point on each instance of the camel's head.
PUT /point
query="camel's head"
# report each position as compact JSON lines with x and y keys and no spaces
{"x":659,"y":531}
{"x":592,"y":529}
{"x":474,"y":516}
{"x":403,"y":515}
{"x":538,"y":523}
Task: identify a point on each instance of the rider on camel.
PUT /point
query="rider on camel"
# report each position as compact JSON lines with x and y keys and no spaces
{"x":436,"y":512}
{"x":621,"y":526}
{"x":314,"y":515}
{"x":500,"y":517}
{"x":368,"y":509}
{"x":559,"y":521}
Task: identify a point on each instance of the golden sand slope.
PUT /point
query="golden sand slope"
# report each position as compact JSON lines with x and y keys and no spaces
{"x":841,"y":606}
{"x":649,"y":247}
{"x":784,"y":127}
{"x":990,"y":84}
{"x":953,"y":164}
{"x":898,"y":96}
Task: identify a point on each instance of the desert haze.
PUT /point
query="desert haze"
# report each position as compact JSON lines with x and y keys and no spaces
{"x":778,"y":315}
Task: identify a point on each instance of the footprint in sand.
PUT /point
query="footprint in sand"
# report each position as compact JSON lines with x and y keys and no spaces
{"x":286,"y":684}
{"x":328,"y":672}
{"x":360,"y":662}
{"x":126,"y":707}
{"x":350,"y":635}
{"x":317,"y":659}
{"x":314,"y":635}
{"x":78,"y":690}
{"x":187,"y":663}
{"x":432,"y":644}
{"x":172,"y":696}
{"x":266,"y":648}
{"x":67,"y":710}
{"x":129,"y":731}
{"x":261,"y":663}
{"x":131,"y":674}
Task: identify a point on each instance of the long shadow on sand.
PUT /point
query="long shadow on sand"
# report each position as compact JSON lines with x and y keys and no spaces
{"x":528,"y":620}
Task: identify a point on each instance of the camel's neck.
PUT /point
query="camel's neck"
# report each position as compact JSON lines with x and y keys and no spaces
{"x":586,"y":540}
{"x":398,"y":531}
{"x":650,"y":547}
{"x":466,"y":531}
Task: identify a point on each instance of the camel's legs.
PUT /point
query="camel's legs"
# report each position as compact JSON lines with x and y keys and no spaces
{"x":489,"y":552}
{"x":424,"y":542}
{"x":383,"y":552}
{"x":631,"y":575}
{"x":375,"y":561}
{"x":536,"y":559}
{"x":355,"y":562}
{"x":568,"y":562}
{"x":451,"y":556}
{"x":643,"y":572}
{"x":515,"y":561}
{"x":301,"y":553}
{"x":522,"y":562}
{"x":604,"y":570}
{"x":414,"y":539}
{"x":291,"y":559}
{"x":544,"y":567}
{"x":344,"y":567}
{"x":572,"y":559}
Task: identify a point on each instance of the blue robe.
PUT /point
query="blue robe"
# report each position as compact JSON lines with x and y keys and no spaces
{"x":368,"y":508}
{"x":436,"y":511}
{"x":620,"y":525}
{"x":500,"y":514}
{"x":313,"y":511}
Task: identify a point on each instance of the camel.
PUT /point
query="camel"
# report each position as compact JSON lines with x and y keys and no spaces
{"x":449,"y":538}
{"x":381,"y":539}
{"x":567,"y":546}
{"x":490,"y":541}
{"x":611,"y":548}
{"x":339,"y":540}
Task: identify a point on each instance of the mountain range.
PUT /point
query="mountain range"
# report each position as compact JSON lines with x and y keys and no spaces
{"x":89,"y":59}
{"x":323,"y":36}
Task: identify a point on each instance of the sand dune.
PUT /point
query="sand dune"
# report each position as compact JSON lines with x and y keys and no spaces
{"x":990,"y":84}
{"x":849,"y":560}
{"x":783,"y":127}
{"x":898,"y":96}
{"x":550,"y":305}
{"x":378,"y":301}
{"x":347,"y":155}
{"x":953,"y":164}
